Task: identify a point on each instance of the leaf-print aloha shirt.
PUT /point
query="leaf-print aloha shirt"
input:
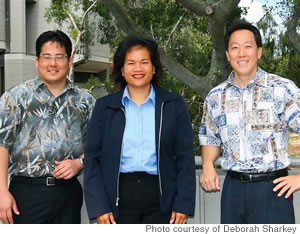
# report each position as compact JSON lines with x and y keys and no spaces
{"x":38,"y":129}
{"x":252,"y":124}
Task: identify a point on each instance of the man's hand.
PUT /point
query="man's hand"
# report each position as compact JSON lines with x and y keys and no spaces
{"x":7,"y":204}
{"x":67,"y":169}
{"x":287,"y":184}
{"x":107,"y":218}
{"x":210,"y":180}
{"x":178,"y":218}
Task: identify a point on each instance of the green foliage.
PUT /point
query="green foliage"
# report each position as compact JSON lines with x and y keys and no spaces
{"x":279,"y":55}
{"x":94,"y":82}
{"x":56,"y":12}
{"x":193,"y":101}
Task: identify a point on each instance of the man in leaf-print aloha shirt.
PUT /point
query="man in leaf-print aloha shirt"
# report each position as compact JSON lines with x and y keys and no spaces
{"x":43,"y":125}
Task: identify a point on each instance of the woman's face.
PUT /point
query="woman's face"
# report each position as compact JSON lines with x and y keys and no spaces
{"x":138,"y":69}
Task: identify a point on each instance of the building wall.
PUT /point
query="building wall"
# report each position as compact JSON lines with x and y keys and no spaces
{"x":2,"y":25}
{"x":18,"y":68}
{"x":15,"y":59}
{"x":17,"y":27}
{"x":103,"y":50}
{"x":97,"y":49}
{"x":36,"y":23}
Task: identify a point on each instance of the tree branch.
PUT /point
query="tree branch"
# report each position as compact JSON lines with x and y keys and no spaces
{"x":200,"y":84}
{"x":172,"y":32}
{"x":121,"y":17}
{"x":217,"y":22}
{"x":87,"y":11}
{"x":72,"y":19}
{"x":196,"y":6}
{"x":222,"y":10}
{"x":81,"y":30}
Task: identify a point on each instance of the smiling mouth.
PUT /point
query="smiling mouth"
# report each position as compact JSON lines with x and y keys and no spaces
{"x":138,"y":76}
{"x":242,"y":62}
{"x":53,"y":71}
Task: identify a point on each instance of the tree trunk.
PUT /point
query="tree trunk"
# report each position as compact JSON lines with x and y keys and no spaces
{"x":292,"y":26}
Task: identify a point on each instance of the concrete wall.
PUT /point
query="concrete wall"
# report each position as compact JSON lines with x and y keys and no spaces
{"x":2,"y":25}
{"x":17,"y":27}
{"x":18,"y":68}
{"x":36,"y":23}
{"x":16,"y":61}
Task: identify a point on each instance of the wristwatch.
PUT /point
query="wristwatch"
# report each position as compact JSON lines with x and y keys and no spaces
{"x":81,"y":159}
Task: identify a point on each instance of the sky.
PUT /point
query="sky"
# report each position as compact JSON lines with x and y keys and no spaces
{"x":255,"y":12}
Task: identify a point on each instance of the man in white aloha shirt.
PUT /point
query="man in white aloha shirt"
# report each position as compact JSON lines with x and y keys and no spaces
{"x":250,"y":116}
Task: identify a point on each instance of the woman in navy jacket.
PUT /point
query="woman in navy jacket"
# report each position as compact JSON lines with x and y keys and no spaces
{"x":139,"y":159}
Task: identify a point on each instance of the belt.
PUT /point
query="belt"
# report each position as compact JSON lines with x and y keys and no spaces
{"x":257,"y":177}
{"x":48,"y":181}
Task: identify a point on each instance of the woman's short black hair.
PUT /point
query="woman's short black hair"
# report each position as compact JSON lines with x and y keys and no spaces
{"x":242,"y":25}
{"x":119,"y":58}
{"x":53,"y":36}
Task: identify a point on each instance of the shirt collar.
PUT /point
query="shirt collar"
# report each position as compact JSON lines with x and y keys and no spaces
{"x":39,"y":83}
{"x":259,"y":78}
{"x":126,"y":95}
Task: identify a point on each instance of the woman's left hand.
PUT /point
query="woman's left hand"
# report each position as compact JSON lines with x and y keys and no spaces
{"x":178,"y":218}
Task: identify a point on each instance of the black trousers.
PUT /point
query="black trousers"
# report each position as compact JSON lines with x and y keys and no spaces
{"x":42,"y":204}
{"x":254,"y":203}
{"x":139,"y":200}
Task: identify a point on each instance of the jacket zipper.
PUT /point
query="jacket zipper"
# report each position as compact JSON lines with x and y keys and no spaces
{"x":117,"y":200}
{"x":158,"y":160}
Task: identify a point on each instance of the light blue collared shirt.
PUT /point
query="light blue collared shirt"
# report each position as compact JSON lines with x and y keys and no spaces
{"x":139,"y":147}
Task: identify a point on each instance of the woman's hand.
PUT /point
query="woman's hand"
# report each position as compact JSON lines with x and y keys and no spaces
{"x":107,"y":218}
{"x":178,"y":218}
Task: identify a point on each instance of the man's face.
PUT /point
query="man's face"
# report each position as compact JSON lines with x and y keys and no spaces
{"x":243,"y":54}
{"x":53,"y":70}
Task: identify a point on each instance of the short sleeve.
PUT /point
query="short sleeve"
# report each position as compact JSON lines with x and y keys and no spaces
{"x":9,"y":120}
{"x":208,"y":131}
{"x":292,"y":106}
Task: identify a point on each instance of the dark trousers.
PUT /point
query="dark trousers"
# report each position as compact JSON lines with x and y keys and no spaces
{"x":254,"y":203}
{"x":139,"y":200}
{"x":41,"y":204}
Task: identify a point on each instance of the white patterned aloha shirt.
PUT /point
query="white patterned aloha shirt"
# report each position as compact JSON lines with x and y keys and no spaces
{"x":252,"y":124}
{"x":38,"y":129}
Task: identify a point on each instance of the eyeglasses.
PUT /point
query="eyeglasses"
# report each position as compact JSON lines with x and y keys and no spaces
{"x":58,"y":57}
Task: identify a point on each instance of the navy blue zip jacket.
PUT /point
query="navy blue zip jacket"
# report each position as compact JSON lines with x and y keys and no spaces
{"x":174,"y":147}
